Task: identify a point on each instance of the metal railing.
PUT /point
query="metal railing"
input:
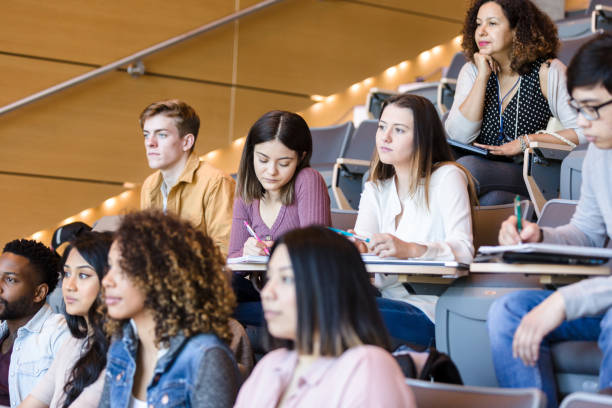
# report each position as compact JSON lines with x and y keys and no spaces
{"x":137,"y":57}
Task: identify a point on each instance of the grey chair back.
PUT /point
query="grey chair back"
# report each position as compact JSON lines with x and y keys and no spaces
{"x":440,"y":395}
{"x":593,"y":3}
{"x":570,"y":46}
{"x":361,"y":145}
{"x":570,"y":180}
{"x":455,"y":66}
{"x":343,"y":219}
{"x":428,"y":90}
{"x":329,"y":143}
{"x":557,"y":212}
{"x":586,"y":400}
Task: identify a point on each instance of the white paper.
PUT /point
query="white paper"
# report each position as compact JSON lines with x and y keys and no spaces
{"x":257,"y":259}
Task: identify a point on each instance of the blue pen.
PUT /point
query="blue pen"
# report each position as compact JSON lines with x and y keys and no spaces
{"x":349,"y":234}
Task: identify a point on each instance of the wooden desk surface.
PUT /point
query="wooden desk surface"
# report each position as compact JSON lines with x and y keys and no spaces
{"x":402,"y":270}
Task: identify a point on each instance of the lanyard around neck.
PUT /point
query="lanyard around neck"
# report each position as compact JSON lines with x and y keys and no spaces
{"x":500,"y":102}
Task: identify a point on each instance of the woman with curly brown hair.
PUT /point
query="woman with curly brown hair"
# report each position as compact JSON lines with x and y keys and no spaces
{"x":509,"y":90}
{"x":170,"y":306}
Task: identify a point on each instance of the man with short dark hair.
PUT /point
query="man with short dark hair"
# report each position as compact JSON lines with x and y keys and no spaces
{"x":182,"y":184}
{"x":523,"y":324}
{"x":30,"y":333}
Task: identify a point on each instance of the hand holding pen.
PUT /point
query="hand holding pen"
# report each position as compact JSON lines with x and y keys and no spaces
{"x":358,"y":240}
{"x":259,"y":244}
{"x":517,"y":214}
{"x":516,"y":230}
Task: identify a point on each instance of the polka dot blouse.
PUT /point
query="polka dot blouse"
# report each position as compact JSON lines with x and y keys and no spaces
{"x":533,"y":110}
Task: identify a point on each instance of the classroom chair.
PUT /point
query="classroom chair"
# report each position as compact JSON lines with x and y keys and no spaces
{"x":557,"y":212}
{"x":440,"y":395}
{"x":343,"y":219}
{"x":448,"y":83}
{"x":349,"y":170}
{"x":586,"y":400}
{"x":488,"y":218}
{"x":571,"y":174}
{"x":462,"y":310}
{"x":329,"y":143}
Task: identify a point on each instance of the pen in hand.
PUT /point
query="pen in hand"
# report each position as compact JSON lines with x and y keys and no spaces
{"x":517,"y":212}
{"x":349,"y":234}
{"x":254,"y":235}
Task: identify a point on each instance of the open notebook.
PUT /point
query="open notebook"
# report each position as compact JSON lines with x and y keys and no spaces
{"x":257,"y":259}
{"x":367,"y":258}
{"x":375,"y":260}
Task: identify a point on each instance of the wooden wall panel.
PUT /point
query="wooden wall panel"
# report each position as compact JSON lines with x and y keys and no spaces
{"x":92,"y":130}
{"x":29,"y":204}
{"x":208,"y":57}
{"x":318,"y":47}
{"x":454,"y":10}
{"x":250,"y":105}
{"x":21,"y":77}
{"x":100,"y":31}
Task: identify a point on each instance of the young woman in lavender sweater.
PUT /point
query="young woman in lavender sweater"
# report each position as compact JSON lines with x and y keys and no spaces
{"x":277,"y":189}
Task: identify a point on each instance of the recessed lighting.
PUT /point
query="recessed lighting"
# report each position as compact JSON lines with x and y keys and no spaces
{"x":317,"y":98}
{"x":391,"y":71}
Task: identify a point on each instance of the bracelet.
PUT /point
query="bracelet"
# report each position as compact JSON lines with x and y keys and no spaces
{"x":558,"y":136}
{"x":521,"y":140}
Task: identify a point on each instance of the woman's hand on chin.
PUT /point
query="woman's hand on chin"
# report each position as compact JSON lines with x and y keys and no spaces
{"x":485,"y":64}
{"x":507,"y":149}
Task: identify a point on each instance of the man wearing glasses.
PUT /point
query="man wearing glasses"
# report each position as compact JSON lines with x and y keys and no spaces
{"x":523,"y":324}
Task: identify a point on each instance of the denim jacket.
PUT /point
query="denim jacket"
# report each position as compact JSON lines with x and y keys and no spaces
{"x":184,"y":376}
{"x":34,"y":348}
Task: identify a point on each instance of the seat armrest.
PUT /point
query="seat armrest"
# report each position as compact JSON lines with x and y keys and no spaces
{"x":341,"y":200}
{"x":552,"y":151}
{"x":353,"y":162}
{"x":441,"y":84}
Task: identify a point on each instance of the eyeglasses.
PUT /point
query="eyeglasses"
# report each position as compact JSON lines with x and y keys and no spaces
{"x":589,"y":112}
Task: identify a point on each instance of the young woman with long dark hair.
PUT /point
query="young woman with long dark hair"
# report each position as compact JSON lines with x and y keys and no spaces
{"x":75,"y":378}
{"x":318,"y":299}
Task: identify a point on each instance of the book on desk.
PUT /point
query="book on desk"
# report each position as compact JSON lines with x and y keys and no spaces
{"x":546,"y":253}
{"x":370,"y":259}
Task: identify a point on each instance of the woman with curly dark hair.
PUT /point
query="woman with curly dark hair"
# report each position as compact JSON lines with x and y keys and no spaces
{"x":75,"y":377}
{"x":170,"y":305}
{"x":509,"y":90}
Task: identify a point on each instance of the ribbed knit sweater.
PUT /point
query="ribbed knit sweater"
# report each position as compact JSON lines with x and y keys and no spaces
{"x":310,"y":207}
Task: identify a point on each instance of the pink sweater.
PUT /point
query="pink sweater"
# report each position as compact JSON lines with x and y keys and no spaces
{"x":364,"y":376}
{"x":310,"y":206}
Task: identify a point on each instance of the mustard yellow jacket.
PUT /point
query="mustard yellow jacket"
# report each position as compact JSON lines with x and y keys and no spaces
{"x":203,"y":195}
